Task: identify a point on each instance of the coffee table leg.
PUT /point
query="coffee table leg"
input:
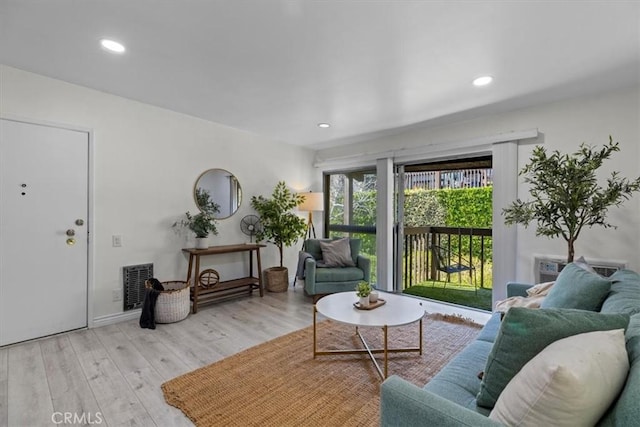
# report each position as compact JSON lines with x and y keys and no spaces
{"x":386,"y":351}
{"x":315,"y":311}
{"x":420,"y":326}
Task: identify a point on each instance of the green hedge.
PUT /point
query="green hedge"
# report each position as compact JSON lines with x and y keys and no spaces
{"x":464,"y":207}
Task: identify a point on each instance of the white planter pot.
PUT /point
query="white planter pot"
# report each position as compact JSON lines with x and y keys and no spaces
{"x":202,"y":242}
{"x":364,"y":301}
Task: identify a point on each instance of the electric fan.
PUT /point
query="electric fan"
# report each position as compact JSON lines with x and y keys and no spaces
{"x":250,"y":225}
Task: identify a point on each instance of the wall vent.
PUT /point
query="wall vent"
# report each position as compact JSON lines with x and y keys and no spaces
{"x":134,"y":277}
{"x":547,"y":269}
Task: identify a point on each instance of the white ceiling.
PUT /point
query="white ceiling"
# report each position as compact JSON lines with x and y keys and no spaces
{"x":278,"y":67}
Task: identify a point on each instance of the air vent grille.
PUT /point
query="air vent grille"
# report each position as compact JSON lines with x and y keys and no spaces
{"x":548,"y":269}
{"x":134,"y":277}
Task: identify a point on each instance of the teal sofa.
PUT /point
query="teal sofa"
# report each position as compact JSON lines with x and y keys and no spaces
{"x":320,"y":281}
{"x":449,"y":399}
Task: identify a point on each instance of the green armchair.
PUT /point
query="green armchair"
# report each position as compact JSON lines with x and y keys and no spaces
{"x":320,"y":281}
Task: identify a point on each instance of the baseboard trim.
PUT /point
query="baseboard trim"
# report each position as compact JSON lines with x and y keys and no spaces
{"x":111,"y":319}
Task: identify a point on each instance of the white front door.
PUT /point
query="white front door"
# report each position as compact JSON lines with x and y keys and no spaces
{"x":43,"y":230}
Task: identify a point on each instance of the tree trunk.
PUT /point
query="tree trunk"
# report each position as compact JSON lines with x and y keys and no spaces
{"x":571,"y":250}
{"x":281,"y":249}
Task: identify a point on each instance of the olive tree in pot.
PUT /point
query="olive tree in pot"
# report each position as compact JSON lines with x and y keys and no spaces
{"x":281,"y":227}
{"x":566,"y":195}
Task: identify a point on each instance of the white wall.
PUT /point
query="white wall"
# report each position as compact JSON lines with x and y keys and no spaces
{"x":565,"y":125}
{"x":145,"y":163}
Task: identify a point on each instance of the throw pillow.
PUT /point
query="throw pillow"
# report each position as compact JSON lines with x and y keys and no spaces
{"x":577,"y":288}
{"x":337,"y":253}
{"x":525,"y":332}
{"x":583,"y":264}
{"x":570,"y":383}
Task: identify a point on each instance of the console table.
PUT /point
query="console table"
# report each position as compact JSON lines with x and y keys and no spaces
{"x":225,"y":288}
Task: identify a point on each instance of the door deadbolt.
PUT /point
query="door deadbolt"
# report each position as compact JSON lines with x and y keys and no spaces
{"x":71,"y":232}
{"x":79,"y":222}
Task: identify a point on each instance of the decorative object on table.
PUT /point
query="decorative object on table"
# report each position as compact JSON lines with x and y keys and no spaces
{"x":566,"y":195}
{"x":371,"y":305}
{"x":281,"y":227}
{"x":363,"y":290}
{"x":224,"y":189}
{"x":172,"y":304}
{"x":251,"y":226}
{"x":208,"y":278}
{"x":313,"y":202}
{"x":204,"y":222}
{"x":373,"y":296}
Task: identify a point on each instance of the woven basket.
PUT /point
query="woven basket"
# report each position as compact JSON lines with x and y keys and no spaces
{"x":173,"y":303}
{"x":277,"y":279}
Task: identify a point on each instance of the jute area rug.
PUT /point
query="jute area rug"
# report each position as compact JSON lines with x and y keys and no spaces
{"x":279,"y":383}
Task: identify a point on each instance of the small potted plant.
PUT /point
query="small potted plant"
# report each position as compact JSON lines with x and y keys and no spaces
{"x":203,"y":223}
{"x":363,"y":290}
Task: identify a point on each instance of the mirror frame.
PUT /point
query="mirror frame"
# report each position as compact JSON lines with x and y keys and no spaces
{"x":234,"y":192}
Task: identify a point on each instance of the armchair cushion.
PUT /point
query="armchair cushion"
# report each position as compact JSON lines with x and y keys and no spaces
{"x":312,"y":246}
{"x":337,"y":253}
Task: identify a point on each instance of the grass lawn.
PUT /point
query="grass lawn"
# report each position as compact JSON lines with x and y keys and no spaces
{"x":453,"y":293}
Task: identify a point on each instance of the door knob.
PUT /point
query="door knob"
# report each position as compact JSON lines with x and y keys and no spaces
{"x":71,"y":241}
{"x":79,"y":222}
{"x":71,"y":232}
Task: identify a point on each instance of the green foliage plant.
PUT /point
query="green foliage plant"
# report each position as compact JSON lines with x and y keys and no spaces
{"x":363,"y":289}
{"x":566,"y":195}
{"x":204,"y":222}
{"x":280,"y":226}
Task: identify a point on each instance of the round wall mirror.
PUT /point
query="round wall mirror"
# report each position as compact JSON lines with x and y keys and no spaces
{"x":223,"y":189}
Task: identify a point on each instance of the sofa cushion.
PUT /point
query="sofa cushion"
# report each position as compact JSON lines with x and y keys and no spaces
{"x":490,"y":330}
{"x":525,"y":332}
{"x":337,"y":253}
{"x":458,"y":381}
{"x":626,"y":411}
{"x":570,"y":383}
{"x":345,"y":274}
{"x":578,"y":288}
{"x":624,"y":296}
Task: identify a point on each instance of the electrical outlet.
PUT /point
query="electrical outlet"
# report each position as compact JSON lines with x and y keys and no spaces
{"x":116,"y":294}
{"x":116,"y":240}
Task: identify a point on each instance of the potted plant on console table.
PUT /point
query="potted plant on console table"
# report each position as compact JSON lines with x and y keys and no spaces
{"x":204,"y":222}
{"x":281,"y":227}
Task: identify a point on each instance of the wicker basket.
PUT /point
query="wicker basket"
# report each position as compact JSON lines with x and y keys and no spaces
{"x":173,"y":303}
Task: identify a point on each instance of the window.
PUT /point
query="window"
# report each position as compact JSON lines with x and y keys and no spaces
{"x":352,"y":209}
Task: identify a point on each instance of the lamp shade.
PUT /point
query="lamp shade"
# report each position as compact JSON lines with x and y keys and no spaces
{"x":313,"y":202}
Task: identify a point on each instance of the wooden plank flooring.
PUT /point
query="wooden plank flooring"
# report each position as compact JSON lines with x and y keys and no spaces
{"x":112,"y":375}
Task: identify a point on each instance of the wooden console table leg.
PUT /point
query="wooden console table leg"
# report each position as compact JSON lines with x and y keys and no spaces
{"x":259,"y":272}
{"x":189,"y":268}
{"x":195,"y":285}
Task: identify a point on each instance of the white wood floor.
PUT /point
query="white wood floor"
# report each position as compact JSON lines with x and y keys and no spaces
{"x":111,"y":375}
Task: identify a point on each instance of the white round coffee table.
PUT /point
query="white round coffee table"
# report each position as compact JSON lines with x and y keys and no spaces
{"x":398,"y":310}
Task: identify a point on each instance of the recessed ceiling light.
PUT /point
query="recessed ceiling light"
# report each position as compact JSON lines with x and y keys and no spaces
{"x":482,"y":81}
{"x":324,"y":125}
{"x":112,"y":46}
